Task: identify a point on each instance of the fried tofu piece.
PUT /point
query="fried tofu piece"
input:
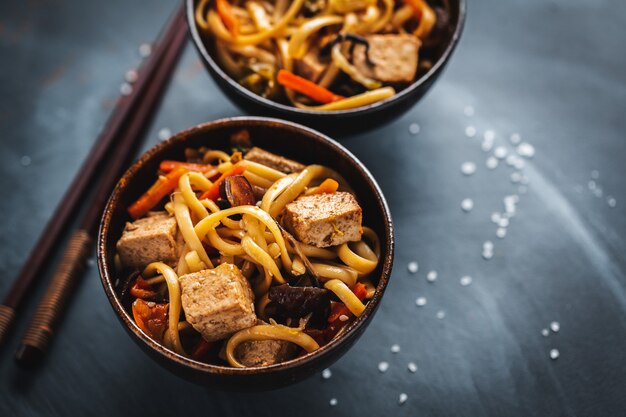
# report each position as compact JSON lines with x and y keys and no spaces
{"x":218,"y":302}
{"x":324,"y":220}
{"x":393,"y":58}
{"x":265,"y":352}
{"x":150,"y":239}
{"x":310,"y":66}
{"x":271,"y":160}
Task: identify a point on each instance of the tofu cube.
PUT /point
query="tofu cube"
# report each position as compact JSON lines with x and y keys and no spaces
{"x":218,"y":302}
{"x":265,"y":352}
{"x":150,"y":239}
{"x":310,"y":66}
{"x":324,"y":220}
{"x":279,"y":163}
{"x":393,"y":58}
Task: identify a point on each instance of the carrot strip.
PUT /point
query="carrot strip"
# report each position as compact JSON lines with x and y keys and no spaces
{"x":225,"y":10}
{"x":161,"y":188}
{"x":151,"y":317}
{"x":213,"y":193}
{"x":328,"y":186}
{"x":167,"y":166}
{"x":340,"y":309}
{"x":303,"y":86}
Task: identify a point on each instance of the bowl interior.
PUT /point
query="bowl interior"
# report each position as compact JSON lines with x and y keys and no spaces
{"x":437,"y":54}
{"x":288,"y":139}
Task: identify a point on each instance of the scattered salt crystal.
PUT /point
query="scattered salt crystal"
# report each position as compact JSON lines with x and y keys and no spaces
{"x":611,"y":201}
{"x":554,"y":354}
{"x":467,"y":204}
{"x":501,"y":232}
{"x":591,"y":185}
{"x":500,"y":152}
{"x":466,"y":280}
{"x":431,"y":276}
{"x":402,"y":399}
{"x":488,"y":245}
{"x":504,"y":222}
{"x":555,"y":326}
{"x":468,"y":168}
{"x":126,"y":89}
{"x":491,"y":162}
{"x":131,"y":76}
{"x":595,"y":174}
{"x":470,"y":131}
{"x":326,"y":373}
{"x":495,"y":217}
{"x":487,"y":255}
{"x":343,"y":317}
{"x":164,"y":134}
{"x":526,"y":149}
{"x":441,"y":314}
{"x":414,"y":128}
{"x":510,"y":159}
{"x":598,"y":192}
{"x":468,"y":111}
{"x":515,"y":138}
{"x":395,"y":348}
{"x":383,"y":366}
{"x":413,"y":267}
{"x":524,"y":180}
{"x":420,"y":301}
{"x":489,"y":135}
{"x":516,"y":177}
{"x":333,"y":402}
{"x":545,"y":332}
{"x":412,"y":367}
{"x":145,"y":49}
{"x":519,"y":163}
{"x":486,"y":145}
{"x":25,"y":160}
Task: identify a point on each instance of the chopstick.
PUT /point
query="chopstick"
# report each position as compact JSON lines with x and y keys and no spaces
{"x":124,"y":131}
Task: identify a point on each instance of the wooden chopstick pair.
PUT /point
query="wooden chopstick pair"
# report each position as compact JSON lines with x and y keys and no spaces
{"x":108,"y":157}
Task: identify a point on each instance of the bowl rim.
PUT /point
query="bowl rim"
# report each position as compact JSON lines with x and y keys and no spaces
{"x":363,"y":110}
{"x":387,"y":246}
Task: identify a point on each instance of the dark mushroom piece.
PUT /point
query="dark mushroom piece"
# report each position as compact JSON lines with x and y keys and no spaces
{"x":237,"y":191}
{"x":315,"y":281}
{"x":296,"y":302}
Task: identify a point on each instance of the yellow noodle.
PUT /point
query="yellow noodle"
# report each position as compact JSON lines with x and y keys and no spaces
{"x":359,"y":100}
{"x":382,"y":22}
{"x":298,"y":41}
{"x":268,"y":332}
{"x":223,"y":246}
{"x":297,"y":267}
{"x":183,"y":219}
{"x":428,"y":18}
{"x":190,"y":196}
{"x":346,"y":295}
{"x":364,"y":261}
{"x":181,"y":266}
{"x":215,"y":155}
{"x":343,"y":64}
{"x":263,"y":170}
{"x":259,"y":15}
{"x":293,"y":190}
{"x":260,"y":256}
{"x":257,"y":179}
{"x":273,"y":250}
{"x":334,"y":272}
{"x":371,"y":235}
{"x":369,"y":287}
{"x":274,"y":191}
{"x":193,"y":262}
{"x":212,"y":206}
{"x":175,"y":303}
{"x":264,"y":300}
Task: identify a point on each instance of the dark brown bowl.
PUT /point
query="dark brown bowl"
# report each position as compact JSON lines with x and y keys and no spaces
{"x":288,"y":139}
{"x":344,"y":121}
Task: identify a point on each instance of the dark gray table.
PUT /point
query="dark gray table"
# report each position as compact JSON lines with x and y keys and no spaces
{"x":552,"y":71}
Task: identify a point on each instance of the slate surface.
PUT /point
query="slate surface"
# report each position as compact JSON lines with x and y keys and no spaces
{"x":554,"y":71}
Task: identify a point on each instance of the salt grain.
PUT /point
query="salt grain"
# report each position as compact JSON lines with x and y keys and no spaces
{"x":326,"y":373}
{"x":414,"y":128}
{"x":467,"y":205}
{"x":431,"y":276}
{"x":515,"y":138}
{"x":25,"y":160}
{"x":486,"y":145}
{"x":489,"y":135}
{"x":504,"y":222}
{"x":468,"y":168}
{"x":466,"y":280}
{"x":555,"y":326}
{"x":516,"y":177}
{"x":495,"y":217}
{"x":126,"y":89}
{"x":554,"y":354}
{"x":402,"y":399}
{"x":383,"y":366}
{"x":500,"y":152}
{"x":164,"y":134}
{"x":343,"y":317}
{"x":395,"y":348}
{"x":420,"y":301}
{"x":145,"y":49}
{"x":545,"y":332}
{"x":441,"y":314}
{"x":487,"y":255}
{"x":131,"y":76}
{"x":413,"y":267}
{"x":611,"y":201}
{"x":333,"y":402}
{"x":491,"y":162}
{"x":470,"y":131}
{"x":526,"y":149}
{"x":412,"y":367}
{"x":591,"y":185}
{"x":501,"y":232}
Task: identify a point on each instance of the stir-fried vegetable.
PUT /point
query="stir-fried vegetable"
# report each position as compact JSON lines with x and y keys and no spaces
{"x":161,"y":188}
{"x":303,"y":86}
{"x":151,"y":318}
{"x":167,"y":166}
{"x":225,"y":10}
{"x":213,"y":193}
